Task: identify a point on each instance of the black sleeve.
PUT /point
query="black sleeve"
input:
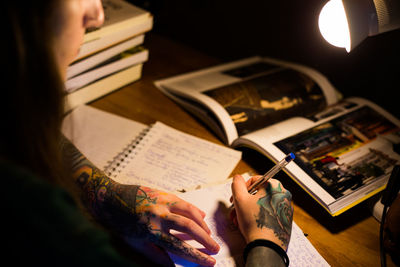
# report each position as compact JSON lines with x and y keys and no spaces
{"x":44,"y":227}
{"x":264,"y":256}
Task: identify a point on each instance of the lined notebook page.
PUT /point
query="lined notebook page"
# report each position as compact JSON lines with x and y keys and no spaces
{"x":173,"y":160}
{"x":214,"y":201}
{"x":165,"y":158}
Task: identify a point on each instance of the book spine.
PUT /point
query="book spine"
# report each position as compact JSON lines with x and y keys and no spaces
{"x":119,"y":162}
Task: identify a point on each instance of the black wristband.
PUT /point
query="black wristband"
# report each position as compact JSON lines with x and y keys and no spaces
{"x":269,"y":244}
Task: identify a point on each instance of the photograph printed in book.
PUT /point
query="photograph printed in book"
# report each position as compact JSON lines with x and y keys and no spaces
{"x":346,"y":153}
{"x":267,"y":95}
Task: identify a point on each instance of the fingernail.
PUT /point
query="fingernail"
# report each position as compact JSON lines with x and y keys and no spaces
{"x":215,"y":248}
{"x":203,"y":214}
{"x":211,"y":261}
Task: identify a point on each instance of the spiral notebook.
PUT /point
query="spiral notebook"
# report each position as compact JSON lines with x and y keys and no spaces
{"x":158,"y":156}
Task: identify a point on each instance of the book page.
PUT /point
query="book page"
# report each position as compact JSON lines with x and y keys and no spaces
{"x":250,"y":94}
{"x":214,"y":201}
{"x":343,"y":156}
{"x":171,"y":160}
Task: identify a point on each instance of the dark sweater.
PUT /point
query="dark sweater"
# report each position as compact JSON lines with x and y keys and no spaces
{"x":44,"y":227}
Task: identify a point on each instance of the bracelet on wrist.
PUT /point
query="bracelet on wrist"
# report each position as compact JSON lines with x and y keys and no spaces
{"x":269,"y":244}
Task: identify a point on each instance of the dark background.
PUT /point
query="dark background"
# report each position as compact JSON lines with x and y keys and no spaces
{"x":232,"y":29}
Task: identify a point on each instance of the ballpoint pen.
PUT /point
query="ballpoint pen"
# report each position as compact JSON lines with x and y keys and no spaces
{"x":271,"y":173}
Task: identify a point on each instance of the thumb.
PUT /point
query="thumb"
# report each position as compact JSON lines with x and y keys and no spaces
{"x":239,"y":187}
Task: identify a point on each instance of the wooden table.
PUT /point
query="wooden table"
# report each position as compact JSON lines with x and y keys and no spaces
{"x":351,"y":239}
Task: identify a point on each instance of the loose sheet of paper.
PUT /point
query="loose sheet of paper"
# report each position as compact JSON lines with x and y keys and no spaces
{"x":214,"y":201}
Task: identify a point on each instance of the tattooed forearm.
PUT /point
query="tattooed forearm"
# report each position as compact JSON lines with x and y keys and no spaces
{"x":100,"y":194}
{"x":276,"y":213}
{"x":123,"y":207}
{"x":135,"y":212}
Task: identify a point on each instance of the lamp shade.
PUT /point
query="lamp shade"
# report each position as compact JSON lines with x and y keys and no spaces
{"x":362,"y":18}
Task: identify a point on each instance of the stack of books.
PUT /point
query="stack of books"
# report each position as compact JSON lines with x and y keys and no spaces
{"x":111,"y":56}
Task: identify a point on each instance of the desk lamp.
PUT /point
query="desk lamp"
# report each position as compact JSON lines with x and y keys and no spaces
{"x":346,"y":23}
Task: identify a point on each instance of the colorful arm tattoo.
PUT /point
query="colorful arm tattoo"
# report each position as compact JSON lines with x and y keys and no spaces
{"x":276,"y":212}
{"x":132,"y":211}
{"x":106,"y":199}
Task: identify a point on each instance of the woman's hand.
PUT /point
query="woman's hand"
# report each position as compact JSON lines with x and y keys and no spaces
{"x":266,"y":215}
{"x":146,"y":215}
{"x":143,"y":216}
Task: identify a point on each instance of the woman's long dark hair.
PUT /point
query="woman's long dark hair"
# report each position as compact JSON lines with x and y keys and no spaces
{"x":32,"y":89}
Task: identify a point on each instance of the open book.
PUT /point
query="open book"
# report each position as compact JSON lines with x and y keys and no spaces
{"x":343,"y":147}
{"x":157,"y":156}
{"x":216,"y":206}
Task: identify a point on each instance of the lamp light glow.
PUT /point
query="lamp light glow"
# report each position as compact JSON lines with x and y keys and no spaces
{"x":346,"y":23}
{"x":333,"y":24}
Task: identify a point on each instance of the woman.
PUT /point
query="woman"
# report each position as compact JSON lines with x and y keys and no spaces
{"x":49,"y":184}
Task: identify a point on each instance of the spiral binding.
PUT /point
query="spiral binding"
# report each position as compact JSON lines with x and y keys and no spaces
{"x":121,"y":160}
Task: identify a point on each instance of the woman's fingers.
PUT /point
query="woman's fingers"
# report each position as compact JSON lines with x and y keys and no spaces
{"x":248,"y":183}
{"x":233,"y":217}
{"x":239,"y":187}
{"x":252,"y":180}
{"x":182,"y":249}
{"x":187,"y":218}
{"x":187,"y":226}
{"x":190,"y":211}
